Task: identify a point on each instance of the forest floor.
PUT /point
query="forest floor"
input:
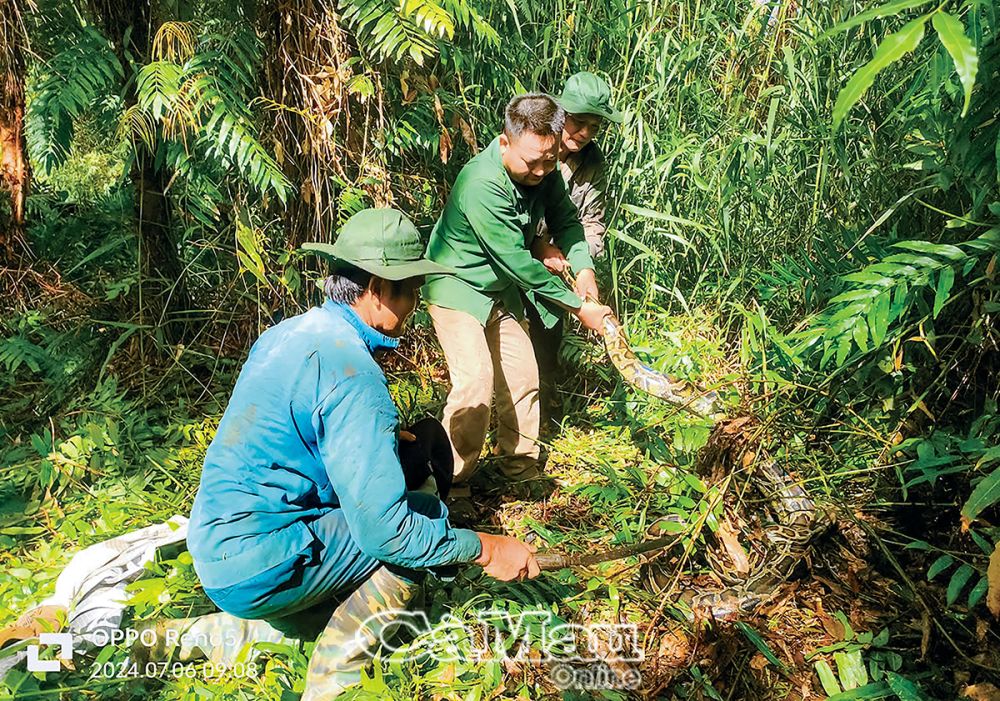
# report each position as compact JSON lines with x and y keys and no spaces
{"x":849,"y":618}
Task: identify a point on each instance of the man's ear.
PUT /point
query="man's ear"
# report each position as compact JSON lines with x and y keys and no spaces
{"x":383,"y":288}
{"x":504,"y":141}
{"x":375,"y":288}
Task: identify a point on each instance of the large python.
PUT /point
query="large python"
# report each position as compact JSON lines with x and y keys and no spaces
{"x":787,"y":537}
{"x":796,"y":520}
{"x":645,"y":378}
{"x":650,"y":381}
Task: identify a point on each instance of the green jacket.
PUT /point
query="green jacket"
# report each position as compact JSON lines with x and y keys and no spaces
{"x":485,"y":233}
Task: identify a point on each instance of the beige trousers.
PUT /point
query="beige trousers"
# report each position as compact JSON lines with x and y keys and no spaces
{"x":497,"y":359}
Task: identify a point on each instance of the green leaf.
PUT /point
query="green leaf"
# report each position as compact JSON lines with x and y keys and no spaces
{"x":843,"y":620}
{"x":880,"y":690}
{"x":983,"y":544}
{"x":860,"y":334}
{"x":963,"y":53}
{"x":754,"y":637}
{"x":827,"y":678}
{"x":890,"y":8}
{"x":938,"y":249}
{"x":985,"y":495}
{"x":851,"y":669}
{"x":939,"y":566}
{"x":892,"y":48}
{"x":843,"y":350}
{"x":856,"y":295}
{"x":622,"y":236}
{"x":878,"y":318}
{"x":958,"y":581}
{"x":946,"y":278}
{"x":647,"y":213}
{"x":977,"y":592}
{"x":904,"y":688}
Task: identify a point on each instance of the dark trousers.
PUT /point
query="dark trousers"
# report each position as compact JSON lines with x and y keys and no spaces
{"x":545,"y":343}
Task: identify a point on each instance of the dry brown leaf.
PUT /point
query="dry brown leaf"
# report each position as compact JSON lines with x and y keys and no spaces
{"x":982,"y":629}
{"x":981,"y":692}
{"x":925,"y":634}
{"x":993,"y":576}
{"x":445,"y":145}
{"x":439,"y":110}
{"x":738,"y":556}
{"x":468,"y":136}
{"x":674,"y":648}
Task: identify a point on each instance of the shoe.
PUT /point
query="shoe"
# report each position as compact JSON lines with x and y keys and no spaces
{"x":462,"y":511}
{"x":520,"y":469}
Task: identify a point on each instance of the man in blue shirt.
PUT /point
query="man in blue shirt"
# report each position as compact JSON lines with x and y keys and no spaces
{"x":302,"y":507}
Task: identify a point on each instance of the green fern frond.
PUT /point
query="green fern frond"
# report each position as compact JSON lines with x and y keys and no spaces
{"x":64,"y":87}
{"x":17,"y":351}
{"x":159,"y":85}
{"x":223,"y":76}
{"x":429,"y":16}
{"x":466,"y":17}
{"x":416,"y":129}
{"x":882,"y":294}
{"x":197,"y":194}
{"x":209,"y":97}
{"x":386,"y":32}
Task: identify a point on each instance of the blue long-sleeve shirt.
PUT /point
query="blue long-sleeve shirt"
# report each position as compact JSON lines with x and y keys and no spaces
{"x":311,"y":427}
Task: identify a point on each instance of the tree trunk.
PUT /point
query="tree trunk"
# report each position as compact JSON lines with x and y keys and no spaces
{"x":324,"y":139}
{"x":14,"y":169}
{"x":164,"y":290}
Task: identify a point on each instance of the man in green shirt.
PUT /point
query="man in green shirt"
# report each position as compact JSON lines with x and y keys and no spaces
{"x":485,"y":235}
{"x":586,"y":98}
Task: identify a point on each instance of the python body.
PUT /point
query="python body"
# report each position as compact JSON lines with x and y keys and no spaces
{"x":788,"y":538}
{"x":650,"y":381}
{"x":786,"y":543}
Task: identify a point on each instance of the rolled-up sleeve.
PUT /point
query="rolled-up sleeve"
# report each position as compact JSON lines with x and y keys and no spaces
{"x":356,"y":433}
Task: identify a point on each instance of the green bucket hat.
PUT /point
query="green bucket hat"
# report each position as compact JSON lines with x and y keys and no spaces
{"x":586,"y":93}
{"x":383,"y":242}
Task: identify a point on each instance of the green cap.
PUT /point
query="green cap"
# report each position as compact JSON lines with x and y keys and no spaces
{"x":383,"y":242}
{"x":586,"y":93}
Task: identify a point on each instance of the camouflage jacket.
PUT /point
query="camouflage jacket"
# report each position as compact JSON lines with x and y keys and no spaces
{"x":584,"y":174}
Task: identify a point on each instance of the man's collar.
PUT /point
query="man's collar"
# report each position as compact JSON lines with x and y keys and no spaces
{"x":374,"y":340}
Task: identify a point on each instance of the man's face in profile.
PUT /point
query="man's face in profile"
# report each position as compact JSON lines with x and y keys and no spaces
{"x":529,"y":157}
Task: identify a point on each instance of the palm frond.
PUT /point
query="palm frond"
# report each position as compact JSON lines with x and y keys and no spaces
{"x":386,"y":31}
{"x":882,"y":294}
{"x":68,"y":84}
